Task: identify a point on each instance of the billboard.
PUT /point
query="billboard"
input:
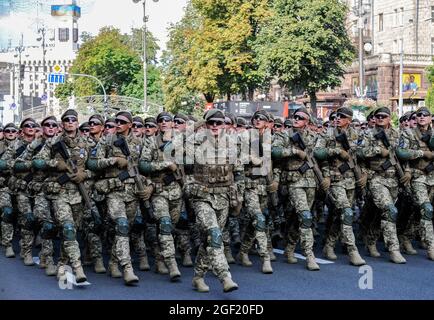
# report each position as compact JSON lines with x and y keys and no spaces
{"x":66,"y":10}
{"x":411,"y":81}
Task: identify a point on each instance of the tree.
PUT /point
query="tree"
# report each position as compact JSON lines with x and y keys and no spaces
{"x":210,"y":50}
{"x":429,"y":100}
{"x":116,"y":60}
{"x":304,"y":44}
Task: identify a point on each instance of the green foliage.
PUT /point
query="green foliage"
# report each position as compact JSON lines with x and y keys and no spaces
{"x":429,"y":100}
{"x":117,"y":60}
{"x":63,"y":92}
{"x":304,"y":43}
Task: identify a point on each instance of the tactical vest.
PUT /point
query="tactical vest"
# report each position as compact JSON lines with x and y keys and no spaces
{"x":378,"y":163}
{"x":421,"y":163}
{"x":161,"y":177}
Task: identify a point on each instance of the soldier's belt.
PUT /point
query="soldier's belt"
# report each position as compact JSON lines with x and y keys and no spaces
{"x":165,"y":179}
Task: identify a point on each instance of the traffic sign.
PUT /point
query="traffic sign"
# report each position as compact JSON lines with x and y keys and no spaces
{"x":44,"y":97}
{"x":13,"y":106}
{"x":56,"y":78}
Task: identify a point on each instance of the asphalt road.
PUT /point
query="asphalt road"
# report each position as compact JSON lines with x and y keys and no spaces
{"x":335,"y":281}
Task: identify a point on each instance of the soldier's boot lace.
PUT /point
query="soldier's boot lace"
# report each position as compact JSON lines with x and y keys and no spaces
{"x":228,"y":255}
{"x":355,"y":258}
{"x":396,"y":257}
{"x":266,"y":266}
{"x":10,"y":252}
{"x":79,"y":274}
{"x":186,"y":260}
{"x":50,"y":270}
{"x":200,"y":285}
{"x":311,"y":264}
{"x":113,"y":270}
{"x":129,"y":276}
{"x":290,"y":250}
{"x":229,"y":285}
{"x":373,"y":252}
{"x":99,"y":266}
{"x":408,"y":247}
{"x":161,"y":267}
{"x":28,"y":259}
{"x":329,"y":252}
{"x":174,"y":271}
{"x":244,"y":259}
{"x":144,"y":263}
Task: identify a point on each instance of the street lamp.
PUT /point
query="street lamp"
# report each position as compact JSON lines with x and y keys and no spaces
{"x":401,"y":67}
{"x":145,"y":94}
{"x":43,"y":31}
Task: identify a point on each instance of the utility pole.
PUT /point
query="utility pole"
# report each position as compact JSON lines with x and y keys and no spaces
{"x":20,"y":99}
{"x":43,"y":31}
{"x":360,"y":26}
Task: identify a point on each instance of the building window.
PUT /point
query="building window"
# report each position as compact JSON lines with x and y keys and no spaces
{"x":432,"y":13}
{"x":75,"y":35}
{"x":380,"y":22}
{"x":401,"y":16}
{"x":432,"y":46}
{"x":395,"y":18}
{"x":63,"y":34}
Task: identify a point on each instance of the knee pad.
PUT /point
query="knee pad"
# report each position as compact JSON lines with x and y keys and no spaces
{"x":166,"y":226}
{"x":122,"y":227}
{"x":138,"y":224}
{"x":69,"y":231}
{"x":427,"y":211}
{"x":260,"y":224}
{"x":48,"y":230}
{"x":347,"y":216}
{"x":215,"y":238}
{"x":392,"y":213}
{"x":29,"y":221}
{"x":7,"y":215}
{"x":306,"y":219}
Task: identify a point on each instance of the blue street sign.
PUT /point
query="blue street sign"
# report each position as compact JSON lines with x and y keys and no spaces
{"x":56,"y":78}
{"x":44,"y":97}
{"x":13,"y":106}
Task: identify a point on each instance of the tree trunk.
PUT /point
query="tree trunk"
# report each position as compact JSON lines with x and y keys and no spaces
{"x":228,"y":96}
{"x":313,"y":99}
{"x":209,"y":97}
{"x":251,"y":93}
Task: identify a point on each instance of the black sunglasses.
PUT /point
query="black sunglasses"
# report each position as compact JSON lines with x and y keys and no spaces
{"x":121,"y":122}
{"x":178,"y":121}
{"x":148,"y":126}
{"x":138,"y":126}
{"x":94,"y":123}
{"x":413,"y":118}
{"x":404,"y":120}
{"x":215,"y":123}
{"x":341,"y":116}
{"x":161,"y":120}
{"x":10,"y":131}
{"x":278,"y":126}
{"x":109,"y":126}
{"x":50,"y":125}
{"x":381,"y":116}
{"x":422,"y":114}
{"x":298,"y":118}
{"x":30,"y":125}
{"x":260,"y":118}
{"x":85,"y":130}
{"x":70,"y":119}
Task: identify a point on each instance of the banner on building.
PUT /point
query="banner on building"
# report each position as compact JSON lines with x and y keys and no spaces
{"x":411,"y":81}
{"x":66,"y":10}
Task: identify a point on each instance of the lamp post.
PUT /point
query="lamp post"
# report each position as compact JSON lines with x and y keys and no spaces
{"x":43,"y":32}
{"x":145,"y":69}
{"x":20,"y":99}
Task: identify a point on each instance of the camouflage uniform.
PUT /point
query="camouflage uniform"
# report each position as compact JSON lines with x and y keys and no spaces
{"x":167,"y":196}
{"x":121,"y":199}
{"x":18,"y":183}
{"x":341,"y":192}
{"x":65,"y":197}
{"x":299,"y":186}
{"x":412,"y":146}
{"x":383,"y":187}
{"x":5,"y":196}
{"x":257,"y":179}
{"x":211,"y":192}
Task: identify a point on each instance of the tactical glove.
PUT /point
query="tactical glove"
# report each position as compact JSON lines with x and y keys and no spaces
{"x":361,"y":183}
{"x":79,"y":176}
{"x":273,"y":187}
{"x":405,"y":179}
{"x":121,"y":162}
{"x":428,"y":155}
{"x":325,"y":184}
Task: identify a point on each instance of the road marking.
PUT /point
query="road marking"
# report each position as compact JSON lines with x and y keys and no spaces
{"x":299,"y":256}
{"x":69,"y":276}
